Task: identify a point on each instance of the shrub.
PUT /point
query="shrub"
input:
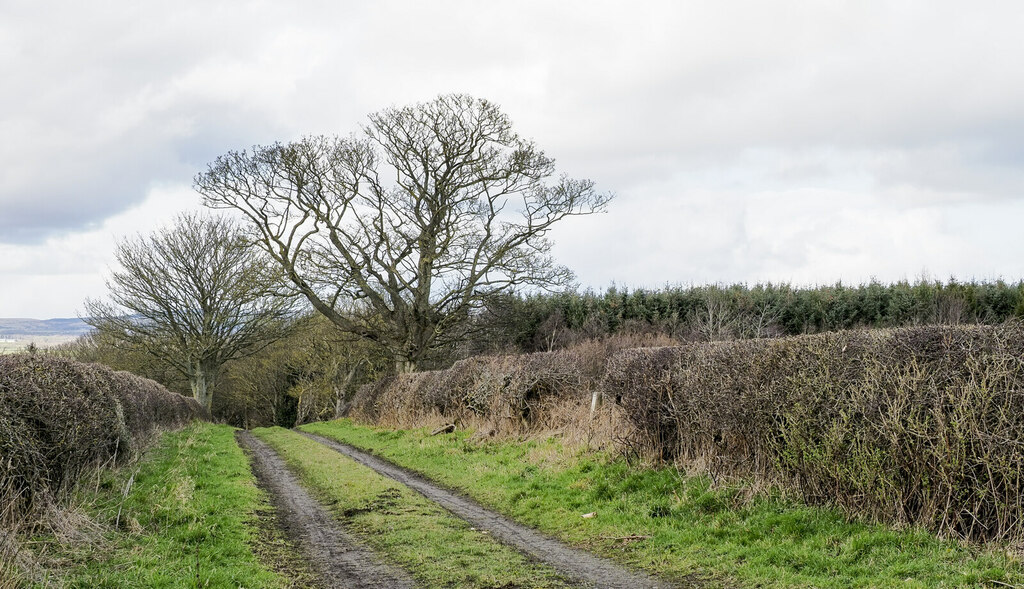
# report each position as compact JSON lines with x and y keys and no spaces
{"x":509,"y":393}
{"x":504,"y":389}
{"x":59,"y":417}
{"x":917,"y":425}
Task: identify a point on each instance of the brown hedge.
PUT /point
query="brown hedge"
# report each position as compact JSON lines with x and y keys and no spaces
{"x":510,"y":391}
{"x":59,"y":417}
{"x":919,"y":425}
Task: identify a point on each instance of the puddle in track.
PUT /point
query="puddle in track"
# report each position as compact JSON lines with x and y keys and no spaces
{"x":582,"y":567}
{"x":339,"y":560}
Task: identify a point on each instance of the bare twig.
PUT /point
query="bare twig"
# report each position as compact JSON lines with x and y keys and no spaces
{"x":629,"y":538}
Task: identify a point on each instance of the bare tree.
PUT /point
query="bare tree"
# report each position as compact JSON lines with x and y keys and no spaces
{"x":195,"y":296}
{"x":399,"y":234}
{"x":715,"y":318}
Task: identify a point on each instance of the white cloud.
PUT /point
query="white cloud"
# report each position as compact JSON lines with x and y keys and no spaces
{"x":804,"y":236}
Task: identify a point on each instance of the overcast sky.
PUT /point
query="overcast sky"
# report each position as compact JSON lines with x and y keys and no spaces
{"x":806,"y":142}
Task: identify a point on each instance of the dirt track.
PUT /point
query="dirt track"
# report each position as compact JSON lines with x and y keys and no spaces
{"x":582,"y":567}
{"x":339,"y":559}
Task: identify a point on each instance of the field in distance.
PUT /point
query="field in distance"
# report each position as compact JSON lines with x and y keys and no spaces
{"x":12,"y":344}
{"x":16,"y":333}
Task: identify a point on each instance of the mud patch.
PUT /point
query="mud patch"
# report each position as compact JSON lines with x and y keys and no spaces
{"x":280,"y":554}
{"x":382,"y":503}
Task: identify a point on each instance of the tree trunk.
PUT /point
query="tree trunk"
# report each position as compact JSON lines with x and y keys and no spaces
{"x":403,"y":365}
{"x":340,"y":405}
{"x":202,"y":379}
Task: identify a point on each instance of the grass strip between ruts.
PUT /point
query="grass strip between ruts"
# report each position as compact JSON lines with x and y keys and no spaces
{"x":677,"y":526}
{"x":439,"y":549}
{"x":188,"y":519}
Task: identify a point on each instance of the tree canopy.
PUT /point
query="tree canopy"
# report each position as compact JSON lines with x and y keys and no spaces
{"x":399,"y":233}
{"x":193,"y":295}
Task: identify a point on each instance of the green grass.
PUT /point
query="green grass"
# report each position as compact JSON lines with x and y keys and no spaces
{"x":694,"y":528}
{"x":188,"y":520}
{"x":407,"y":529}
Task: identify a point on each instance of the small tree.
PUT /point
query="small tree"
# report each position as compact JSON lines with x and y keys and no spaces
{"x":194,"y":296}
{"x":400,"y":234}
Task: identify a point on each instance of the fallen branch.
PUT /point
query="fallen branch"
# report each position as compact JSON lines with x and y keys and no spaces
{"x":629,"y":538}
{"x":444,"y":429}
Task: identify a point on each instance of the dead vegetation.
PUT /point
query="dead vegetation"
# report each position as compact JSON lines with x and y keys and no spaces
{"x":541,"y":393}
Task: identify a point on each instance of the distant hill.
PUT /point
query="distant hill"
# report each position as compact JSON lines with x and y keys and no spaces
{"x":70,"y":327}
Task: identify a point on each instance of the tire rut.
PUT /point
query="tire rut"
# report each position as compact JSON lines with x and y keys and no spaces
{"x":339,"y":560}
{"x":582,"y":567}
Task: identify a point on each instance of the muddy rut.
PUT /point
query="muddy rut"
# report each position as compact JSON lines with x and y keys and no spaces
{"x":584,"y":568}
{"x":339,"y":560}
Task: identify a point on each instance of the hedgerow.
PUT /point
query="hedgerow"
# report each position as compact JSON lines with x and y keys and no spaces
{"x":59,"y":418}
{"x":920,"y":425}
{"x":510,"y":393}
{"x":507,"y":390}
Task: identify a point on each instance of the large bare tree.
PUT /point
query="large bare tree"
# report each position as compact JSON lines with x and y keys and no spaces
{"x":194,"y":295}
{"x":399,"y":233}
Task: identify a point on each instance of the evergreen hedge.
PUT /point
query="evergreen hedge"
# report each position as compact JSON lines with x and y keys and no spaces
{"x":548,"y":321}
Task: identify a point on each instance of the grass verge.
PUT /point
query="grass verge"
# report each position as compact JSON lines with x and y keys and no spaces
{"x":676,"y":526}
{"x":439,"y":549}
{"x":185,"y":516}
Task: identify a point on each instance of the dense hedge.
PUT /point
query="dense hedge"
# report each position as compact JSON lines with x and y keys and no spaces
{"x":59,"y":417}
{"x":918,"y":425}
{"x":511,"y":392}
{"x":550,"y":321}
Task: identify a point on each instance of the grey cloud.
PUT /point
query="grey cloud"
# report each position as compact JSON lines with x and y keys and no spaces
{"x":698,"y":114}
{"x":102,"y":102}
{"x":880,"y":76}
